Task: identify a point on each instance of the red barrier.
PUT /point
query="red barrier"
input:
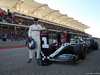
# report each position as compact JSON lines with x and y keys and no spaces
{"x":13,"y":47}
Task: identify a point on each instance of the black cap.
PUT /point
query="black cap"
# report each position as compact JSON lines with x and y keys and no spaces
{"x":35,"y":19}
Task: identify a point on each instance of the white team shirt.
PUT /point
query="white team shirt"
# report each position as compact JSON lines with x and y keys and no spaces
{"x":34,"y":30}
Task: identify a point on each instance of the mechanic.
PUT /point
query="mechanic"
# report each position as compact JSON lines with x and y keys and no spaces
{"x":59,"y":38}
{"x":76,"y":37}
{"x":67,"y":37}
{"x":34,"y":32}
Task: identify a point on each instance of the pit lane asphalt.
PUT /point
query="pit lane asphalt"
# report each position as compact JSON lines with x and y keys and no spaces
{"x":14,"y":62}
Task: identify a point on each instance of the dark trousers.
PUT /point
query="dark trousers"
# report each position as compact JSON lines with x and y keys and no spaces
{"x":59,"y":42}
{"x":68,"y":39}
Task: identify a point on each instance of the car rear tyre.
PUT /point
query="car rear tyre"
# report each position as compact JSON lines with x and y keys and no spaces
{"x":94,"y":45}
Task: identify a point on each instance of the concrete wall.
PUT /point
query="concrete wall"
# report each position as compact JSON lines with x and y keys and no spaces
{"x":16,"y":43}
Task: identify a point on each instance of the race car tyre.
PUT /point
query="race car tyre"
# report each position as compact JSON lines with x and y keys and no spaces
{"x":94,"y":45}
{"x":80,"y":51}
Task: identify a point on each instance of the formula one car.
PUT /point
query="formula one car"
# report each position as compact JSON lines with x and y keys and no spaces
{"x":71,"y":52}
{"x":67,"y":52}
{"x":90,"y":44}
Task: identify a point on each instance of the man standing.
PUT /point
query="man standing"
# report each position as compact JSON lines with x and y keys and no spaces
{"x":59,"y":38}
{"x":34,"y":32}
{"x":68,"y":37}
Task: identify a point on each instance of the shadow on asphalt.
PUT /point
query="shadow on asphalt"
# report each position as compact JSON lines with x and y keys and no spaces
{"x":67,"y":63}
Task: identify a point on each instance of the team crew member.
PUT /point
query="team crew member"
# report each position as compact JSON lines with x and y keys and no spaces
{"x":59,"y":38}
{"x":34,"y":32}
{"x":67,"y":37}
